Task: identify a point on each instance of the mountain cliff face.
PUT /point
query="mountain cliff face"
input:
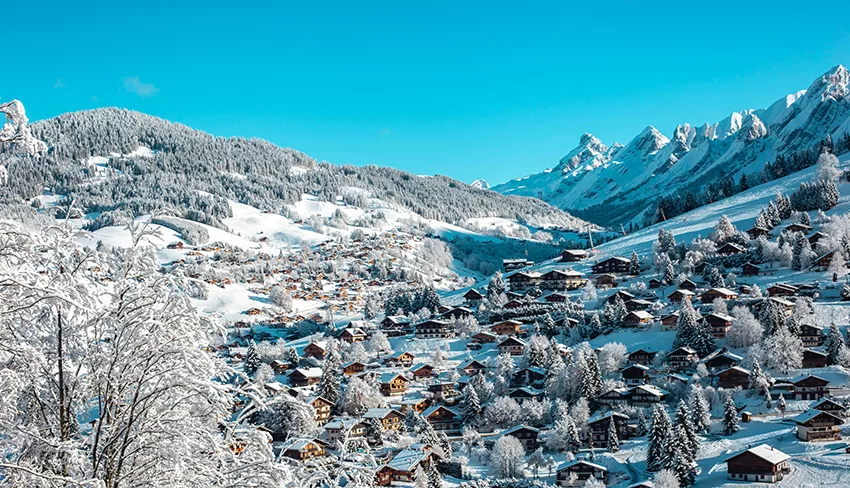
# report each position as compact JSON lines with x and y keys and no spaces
{"x":621,"y":183}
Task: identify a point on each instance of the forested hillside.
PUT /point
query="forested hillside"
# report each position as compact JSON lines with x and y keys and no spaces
{"x":193,"y":172}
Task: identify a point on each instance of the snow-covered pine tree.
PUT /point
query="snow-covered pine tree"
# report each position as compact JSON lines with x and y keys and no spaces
{"x":496,"y":287}
{"x":781,"y":405}
{"x":613,"y":439}
{"x":591,"y":378}
{"x":700,"y":414}
{"x":471,"y":405}
{"x":687,"y":429}
{"x":687,"y":328}
{"x":669,"y":274}
{"x":660,"y":435}
{"x":835,"y":345}
{"x":634,"y":264}
{"x":772,"y":317}
{"x":434,"y":478}
{"x":252,"y":359}
{"x":715,"y":278}
{"x":730,"y":417}
{"x":680,"y":460}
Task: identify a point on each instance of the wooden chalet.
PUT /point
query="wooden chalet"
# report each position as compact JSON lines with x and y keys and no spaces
{"x":555,"y":297}
{"x":829,"y":405}
{"x":757,"y":231}
{"x":395,"y":323}
{"x":799,"y":227}
{"x":687,"y":284}
{"x":303,"y":449}
{"x":646,"y":395}
{"x":782,"y":290}
{"x":733,"y":377}
{"x":418,"y":405}
{"x":750,"y":269}
{"x":513,"y":346}
{"x":721,"y":359}
{"x":606,"y":280}
{"x":817,"y":236}
{"x":434,"y":329}
{"x":670,"y":321}
{"x":636,"y":374}
{"x":763,"y":464}
{"x":642,"y":356}
{"x":682,"y":357}
{"x":322,"y":406}
{"x":305,"y":376}
{"x":507,"y":327}
{"x":390,"y":418}
{"x":528,"y":436}
{"x":338,"y":428}
{"x":473,"y":296}
{"x":444,"y":419}
{"x":403,"y":466}
{"x":484,"y":337}
{"x":822,"y":262}
{"x":637,"y":304}
{"x":720,"y":324}
{"x":393,"y":384}
{"x":638,"y":318}
{"x":573,"y":255}
{"x":811,"y":335}
{"x":615,"y":264}
{"x":598,"y":425}
{"x":681,"y":294}
{"x":316,"y":349}
{"x":715,"y":293}
{"x":353,"y":368}
{"x":655,"y":283}
{"x":531,"y":376}
{"x":622,"y":295}
{"x":443,"y":392}
{"x":523,"y":280}
{"x":818,"y":426}
{"x":473,"y":367}
{"x":401,"y":359}
{"x":352,"y":335}
{"x":422,"y":371}
{"x":731,"y":248}
{"x":515,"y":264}
{"x":809,"y":387}
{"x":576,"y":473}
{"x":456,"y":313}
{"x":814,"y":359}
{"x":560,"y":279}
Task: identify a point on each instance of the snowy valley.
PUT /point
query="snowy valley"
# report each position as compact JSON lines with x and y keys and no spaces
{"x":178,"y":309}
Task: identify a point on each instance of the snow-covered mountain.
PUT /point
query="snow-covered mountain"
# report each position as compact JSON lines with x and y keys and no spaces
{"x":620,"y":183}
{"x":480,"y":184}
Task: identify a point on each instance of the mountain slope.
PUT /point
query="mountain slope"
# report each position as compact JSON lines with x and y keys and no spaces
{"x":616,"y":184}
{"x":148,"y":163}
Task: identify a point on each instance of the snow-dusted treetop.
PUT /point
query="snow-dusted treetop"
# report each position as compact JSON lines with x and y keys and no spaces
{"x":15,"y":130}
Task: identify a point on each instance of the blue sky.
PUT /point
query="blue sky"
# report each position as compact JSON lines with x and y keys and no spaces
{"x":490,"y":90}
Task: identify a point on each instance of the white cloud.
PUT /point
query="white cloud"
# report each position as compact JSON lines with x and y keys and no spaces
{"x":135,"y":85}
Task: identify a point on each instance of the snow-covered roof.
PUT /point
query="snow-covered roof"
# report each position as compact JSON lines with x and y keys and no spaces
{"x":433,"y":408}
{"x":387,"y":377}
{"x":379,"y":413}
{"x":825,"y":400}
{"x":308,"y":372}
{"x":519,"y":427}
{"x":810,"y":414}
{"x":298,"y":444}
{"x":766,"y":452}
{"x":576,"y":462}
{"x":641,"y":314}
{"x":407,"y":459}
{"x":342,"y":423}
{"x":651,"y":389}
